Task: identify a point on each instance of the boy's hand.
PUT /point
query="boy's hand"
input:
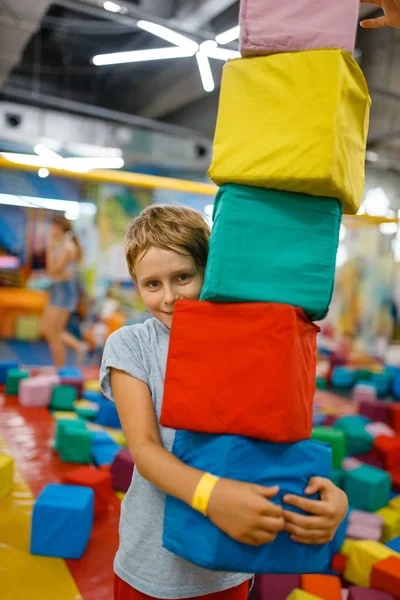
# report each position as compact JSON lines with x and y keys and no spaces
{"x":391,"y":18}
{"x":328,"y":513}
{"x":243,"y":511}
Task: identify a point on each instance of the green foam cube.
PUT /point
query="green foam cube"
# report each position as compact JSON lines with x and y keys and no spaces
{"x":322,"y":384}
{"x":87,"y":413}
{"x":14,"y":376}
{"x":337,"y":441}
{"x":367,"y":488}
{"x":63,"y":398}
{"x":273,"y":246}
{"x":62,"y":426}
{"x":358,"y":441}
{"x":76,"y":446}
{"x":337,"y":477}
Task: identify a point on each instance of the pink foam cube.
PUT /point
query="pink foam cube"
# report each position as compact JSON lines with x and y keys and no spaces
{"x":268,"y":27}
{"x":274,"y":587}
{"x":379,"y":428}
{"x":350,"y":463}
{"x":35,"y":392}
{"x":366,"y":518}
{"x":364,"y":393}
{"x":122,"y":470}
{"x":359,"y":593}
{"x":358,"y":531}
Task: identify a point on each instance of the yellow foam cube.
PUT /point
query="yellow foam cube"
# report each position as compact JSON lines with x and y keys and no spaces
{"x":91,"y":384}
{"x":6,"y":475}
{"x":391,"y":523}
{"x":395,"y":503}
{"x":296,"y":122}
{"x":363,"y":556}
{"x":347,"y":546}
{"x":301,"y":595}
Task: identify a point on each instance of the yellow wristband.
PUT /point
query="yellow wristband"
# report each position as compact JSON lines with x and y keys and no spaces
{"x":202,"y":495}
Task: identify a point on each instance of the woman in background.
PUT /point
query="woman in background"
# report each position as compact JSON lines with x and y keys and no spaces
{"x":63,"y":257}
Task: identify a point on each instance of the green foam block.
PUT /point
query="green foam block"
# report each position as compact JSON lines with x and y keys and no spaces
{"x":337,"y":441}
{"x":63,"y":398}
{"x":76,"y":446}
{"x":14,"y":376}
{"x":367,"y":488}
{"x":273,"y":246}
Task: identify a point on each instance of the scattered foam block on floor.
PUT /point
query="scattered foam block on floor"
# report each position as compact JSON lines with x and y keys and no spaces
{"x":91,"y":385}
{"x":338,"y":563}
{"x":193,"y":537}
{"x":366,"y":518}
{"x":343,"y":377}
{"x":70,"y":372}
{"x":301,"y":595}
{"x":63,"y":397}
{"x":35,"y":392}
{"x":6,"y":475}
{"x":237,"y":270}
{"x":104,"y":449}
{"x":337,"y":477}
{"x":391,"y":523}
{"x":98,"y":481}
{"x":267,"y":27}
{"x":363,"y":556}
{"x":62,"y":425}
{"x":360,"y":531}
{"x":388,"y":448}
{"x":394,"y":544}
{"x":382,"y":382}
{"x":336,"y":439}
{"x":371,"y":459}
{"x":386,"y":576}
{"x":358,"y":441}
{"x":327,"y":587}
{"x":122,"y":470}
{"x":364,"y":392}
{"x":108,"y":415}
{"x":264,"y":150}
{"x":395,"y":503}
{"x":62,"y":521}
{"x":76,"y":445}
{"x":350,"y":463}
{"x":273,"y":339}
{"x":14,"y":377}
{"x":274,"y":587}
{"x":395,"y":476}
{"x":73,"y":382}
{"x":374,"y":410}
{"x":378,"y":428}
{"x":394,"y":412}
{"x":94,"y":396}
{"x":359,"y":593}
{"x":347,"y":546}
{"x":367,"y":488}
{"x":5,"y":365}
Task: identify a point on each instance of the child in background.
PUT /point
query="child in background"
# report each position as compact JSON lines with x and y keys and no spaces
{"x":166,"y":250}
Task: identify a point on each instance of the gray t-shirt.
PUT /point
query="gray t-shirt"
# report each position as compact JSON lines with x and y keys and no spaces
{"x":141,"y":561}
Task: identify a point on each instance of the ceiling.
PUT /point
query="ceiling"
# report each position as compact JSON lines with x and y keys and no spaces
{"x":46,"y":50}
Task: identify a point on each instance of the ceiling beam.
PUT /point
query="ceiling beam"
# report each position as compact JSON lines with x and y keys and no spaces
{"x":195,"y":14}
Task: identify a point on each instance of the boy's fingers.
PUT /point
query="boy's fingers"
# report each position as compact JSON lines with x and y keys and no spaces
{"x":272,"y":510}
{"x":302,"y":521}
{"x":313,"y":534}
{"x":314,"y":485}
{"x":315,"y":507}
{"x":268,"y":492}
{"x":374,"y":23}
{"x":272,"y":525}
{"x":314,"y":542}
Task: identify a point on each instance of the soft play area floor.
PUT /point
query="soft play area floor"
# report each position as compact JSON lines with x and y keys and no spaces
{"x":29,"y":353}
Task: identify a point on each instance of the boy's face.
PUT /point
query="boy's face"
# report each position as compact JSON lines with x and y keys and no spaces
{"x":163,"y":277}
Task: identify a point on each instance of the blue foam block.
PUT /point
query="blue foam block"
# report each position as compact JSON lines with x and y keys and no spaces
{"x":62,"y":521}
{"x":108,"y":415}
{"x":102,"y":437}
{"x":394,"y":544}
{"x":342,"y":377}
{"x":70,"y":373}
{"x":104,"y":454}
{"x":94,"y":396}
{"x":4,"y":366}
{"x":195,"y":538}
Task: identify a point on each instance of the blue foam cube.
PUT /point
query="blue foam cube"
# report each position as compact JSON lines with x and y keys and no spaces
{"x":94,"y":396}
{"x":5,"y":365}
{"x":104,"y":454}
{"x":62,"y":521}
{"x":70,"y":373}
{"x":382,"y":383}
{"x":342,"y":377}
{"x":394,"y":544}
{"x":195,"y":538}
{"x":108,"y":415}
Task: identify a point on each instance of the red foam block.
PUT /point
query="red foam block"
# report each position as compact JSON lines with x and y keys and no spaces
{"x":99,"y":481}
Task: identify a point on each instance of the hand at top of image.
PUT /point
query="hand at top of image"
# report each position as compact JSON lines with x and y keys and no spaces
{"x":391,"y":18}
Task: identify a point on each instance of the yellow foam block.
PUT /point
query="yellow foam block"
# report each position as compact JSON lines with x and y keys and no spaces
{"x":6,"y":475}
{"x":91,"y":384}
{"x":59,"y":414}
{"x":301,"y":595}
{"x":347,"y":546}
{"x":296,"y":122}
{"x":391,"y":523}
{"x":85,"y":404}
{"x":120,"y":495}
{"x":395,"y":503}
{"x":362,"y":558}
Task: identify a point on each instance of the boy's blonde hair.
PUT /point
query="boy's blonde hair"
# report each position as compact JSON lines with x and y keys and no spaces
{"x":176,"y":228}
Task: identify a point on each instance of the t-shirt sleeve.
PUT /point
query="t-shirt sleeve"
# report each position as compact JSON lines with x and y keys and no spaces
{"x":123,"y":352}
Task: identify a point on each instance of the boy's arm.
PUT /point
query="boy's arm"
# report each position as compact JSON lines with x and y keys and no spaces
{"x":241,"y":510}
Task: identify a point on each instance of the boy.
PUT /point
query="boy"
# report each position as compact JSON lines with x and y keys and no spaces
{"x":166,"y":251}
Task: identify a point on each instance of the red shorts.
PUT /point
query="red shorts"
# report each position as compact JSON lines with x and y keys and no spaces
{"x":123,"y":591}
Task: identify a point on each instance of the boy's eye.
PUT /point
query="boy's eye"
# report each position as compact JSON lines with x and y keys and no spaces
{"x":184,"y":277}
{"x":152,"y":284}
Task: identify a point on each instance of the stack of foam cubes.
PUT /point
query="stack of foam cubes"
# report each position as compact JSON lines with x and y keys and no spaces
{"x":289,"y":157}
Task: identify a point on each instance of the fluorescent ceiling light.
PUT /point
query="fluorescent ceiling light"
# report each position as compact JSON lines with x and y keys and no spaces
{"x":48,"y":203}
{"x":371,"y":156}
{"x":169,"y":35}
{"x":43,"y":172}
{"x":77,"y":165}
{"x":114,"y":7}
{"x":388,"y":228}
{"x":376,"y":202}
{"x":342,"y":256}
{"x":228,"y":36}
{"x":90,"y":150}
{"x":119,"y":58}
{"x":210,"y":48}
{"x":342,"y":233}
{"x":205,"y":72}
{"x":30,"y":160}
{"x":50,"y":157}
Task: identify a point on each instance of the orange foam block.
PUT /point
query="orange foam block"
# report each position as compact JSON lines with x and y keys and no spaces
{"x":394,"y":412}
{"x":244,"y":369}
{"x":99,"y":481}
{"x":327,"y":587}
{"x":388,"y":448}
{"x":386,"y":576}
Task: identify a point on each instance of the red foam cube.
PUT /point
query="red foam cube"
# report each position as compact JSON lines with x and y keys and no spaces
{"x":388,"y":448}
{"x":244,"y":369}
{"x":327,"y":587}
{"x":395,"y":475}
{"x":394,"y":411}
{"x":99,"y":481}
{"x":339,"y":562}
{"x":386,"y":576}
